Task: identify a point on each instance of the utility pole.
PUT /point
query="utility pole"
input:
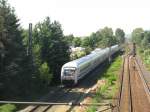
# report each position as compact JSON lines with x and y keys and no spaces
{"x":1,"y":62}
{"x":29,"y":50}
{"x":2,"y":51}
{"x":109,"y":54}
{"x":134,"y":50}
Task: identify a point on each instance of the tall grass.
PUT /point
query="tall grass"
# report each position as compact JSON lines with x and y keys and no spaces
{"x":145,"y":55}
{"x":110,"y":75}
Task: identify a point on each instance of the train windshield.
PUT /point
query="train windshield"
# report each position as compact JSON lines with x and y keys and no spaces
{"x":69,"y":71}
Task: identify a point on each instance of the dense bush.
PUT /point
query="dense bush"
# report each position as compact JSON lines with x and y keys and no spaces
{"x":45,"y":74}
{"x":77,"y":54}
{"x":7,"y":108}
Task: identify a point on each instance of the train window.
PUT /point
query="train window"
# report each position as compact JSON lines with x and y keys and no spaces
{"x":69,"y":72}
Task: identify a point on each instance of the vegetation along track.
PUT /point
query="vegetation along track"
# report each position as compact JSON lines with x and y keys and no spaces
{"x":66,"y":99}
{"x":134,"y":92}
{"x":78,"y":93}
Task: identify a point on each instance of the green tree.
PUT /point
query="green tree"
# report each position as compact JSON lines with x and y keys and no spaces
{"x":137,"y":35}
{"x":52,"y":46}
{"x":102,"y":38}
{"x":120,"y":35}
{"x":45,"y":73}
{"x":77,"y":41}
{"x":98,"y":38}
{"x":107,"y":37}
{"x":14,"y":62}
{"x":85,"y":42}
{"x":94,"y":39}
{"x":146,"y":41}
{"x":69,"y":39}
{"x":77,"y":54}
{"x":89,"y":44}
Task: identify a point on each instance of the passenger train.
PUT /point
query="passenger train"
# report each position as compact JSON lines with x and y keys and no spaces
{"x":75,"y":70}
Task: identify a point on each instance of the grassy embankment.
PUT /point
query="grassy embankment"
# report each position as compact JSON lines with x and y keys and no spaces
{"x":145,"y":56}
{"x":110,"y":87}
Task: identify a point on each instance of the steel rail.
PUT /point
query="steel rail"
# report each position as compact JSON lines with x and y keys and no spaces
{"x":130,"y":87}
{"x":141,"y":74}
{"x":121,"y":82}
{"x":53,"y":103}
{"x":35,"y":105}
{"x":49,"y":105}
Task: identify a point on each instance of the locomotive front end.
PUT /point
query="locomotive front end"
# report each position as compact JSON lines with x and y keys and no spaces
{"x":68,"y":75}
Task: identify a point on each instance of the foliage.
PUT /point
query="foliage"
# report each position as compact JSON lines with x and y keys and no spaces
{"x":107,"y":37}
{"x":7,"y":108}
{"x":49,"y":46}
{"x":146,"y":41}
{"x":15,"y":66}
{"x":23,"y":72}
{"x":45,"y":74}
{"x":77,"y":42}
{"x":120,"y":35}
{"x":142,"y":39}
{"x":69,"y":39}
{"x":145,"y":55}
{"x":137,"y":35}
{"x":108,"y":89}
{"x":89,"y":42}
{"x":88,"y":50}
{"x":77,"y":54}
{"x":92,"y":109}
{"x":102,"y":38}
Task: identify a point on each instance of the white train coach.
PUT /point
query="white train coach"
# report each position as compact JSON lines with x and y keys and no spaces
{"x":73,"y":71}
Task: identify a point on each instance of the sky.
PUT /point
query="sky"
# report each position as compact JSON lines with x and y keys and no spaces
{"x":82,"y":17}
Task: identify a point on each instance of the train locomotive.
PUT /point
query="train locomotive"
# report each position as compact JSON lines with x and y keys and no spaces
{"x":75,"y":70}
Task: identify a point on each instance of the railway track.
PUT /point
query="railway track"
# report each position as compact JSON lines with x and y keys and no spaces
{"x":66,"y":99}
{"x":78,"y":93}
{"x":74,"y":100}
{"x":145,"y":83}
{"x":134,"y":92}
{"x":44,"y":106}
